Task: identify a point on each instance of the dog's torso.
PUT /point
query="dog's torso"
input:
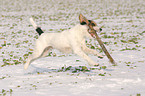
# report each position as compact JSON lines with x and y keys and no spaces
{"x":65,"y":41}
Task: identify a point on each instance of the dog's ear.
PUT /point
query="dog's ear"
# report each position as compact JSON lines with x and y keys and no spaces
{"x":83,"y":20}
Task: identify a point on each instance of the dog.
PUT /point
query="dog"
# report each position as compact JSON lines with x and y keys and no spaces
{"x":68,"y":41}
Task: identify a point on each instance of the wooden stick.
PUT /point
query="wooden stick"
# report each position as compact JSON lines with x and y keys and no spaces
{"x":102,"y":45}
{"x":93,"y":32}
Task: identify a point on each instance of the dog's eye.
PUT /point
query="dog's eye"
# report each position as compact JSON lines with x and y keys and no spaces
{"x":83,"y":23}
{"x":93,"y":24}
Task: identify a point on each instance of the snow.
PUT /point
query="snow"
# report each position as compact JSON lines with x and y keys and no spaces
{"x":48,"y":76}
{"x":123,"y":81}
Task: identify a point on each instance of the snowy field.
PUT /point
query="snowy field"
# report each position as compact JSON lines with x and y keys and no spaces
{"x":58,"y":74}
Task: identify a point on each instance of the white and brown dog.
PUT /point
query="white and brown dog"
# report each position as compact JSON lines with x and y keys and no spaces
{"x":72,"y":40}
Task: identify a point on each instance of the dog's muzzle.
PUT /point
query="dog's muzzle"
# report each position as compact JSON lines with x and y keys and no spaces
{"x":92,"y":32}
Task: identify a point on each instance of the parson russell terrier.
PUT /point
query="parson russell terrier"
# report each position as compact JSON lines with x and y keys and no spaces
{"x":72,"y":40}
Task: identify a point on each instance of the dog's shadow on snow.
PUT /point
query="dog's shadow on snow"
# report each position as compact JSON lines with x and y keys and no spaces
{"x":70,"y":69}
{"x":37,"y":70}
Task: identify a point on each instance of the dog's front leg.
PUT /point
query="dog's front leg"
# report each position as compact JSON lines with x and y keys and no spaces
{"x":80,"y":53}
{"x":91,"y":51}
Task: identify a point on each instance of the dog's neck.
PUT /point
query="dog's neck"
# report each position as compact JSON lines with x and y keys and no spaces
{"x":81,"y":30}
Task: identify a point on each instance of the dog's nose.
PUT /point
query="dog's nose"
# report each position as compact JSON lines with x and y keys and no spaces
{"x":100,"y":29}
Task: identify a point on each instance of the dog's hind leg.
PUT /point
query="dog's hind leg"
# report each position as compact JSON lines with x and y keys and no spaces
{"x":40,"y":50}
{"x":46,"y":50}
{"x":30,"y":59}
{"x":36,"y":55}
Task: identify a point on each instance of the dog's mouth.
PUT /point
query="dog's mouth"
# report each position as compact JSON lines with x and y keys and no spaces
{"x":92,"y":32}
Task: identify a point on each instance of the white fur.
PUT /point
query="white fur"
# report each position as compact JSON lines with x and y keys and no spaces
{"x":33,"y":23}
{"x":68,"y":41}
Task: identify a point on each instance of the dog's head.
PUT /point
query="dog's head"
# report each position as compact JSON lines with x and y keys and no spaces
{"x":92,"y":26}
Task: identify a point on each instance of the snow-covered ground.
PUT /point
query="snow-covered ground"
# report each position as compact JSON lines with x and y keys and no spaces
{"x":123,"y":23}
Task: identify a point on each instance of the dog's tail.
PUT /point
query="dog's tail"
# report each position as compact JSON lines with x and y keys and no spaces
{"x":38,"y":29}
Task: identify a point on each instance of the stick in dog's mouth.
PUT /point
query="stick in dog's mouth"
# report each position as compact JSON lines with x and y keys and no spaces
{"x":94,"y":34}
{"x":104,"y":48}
